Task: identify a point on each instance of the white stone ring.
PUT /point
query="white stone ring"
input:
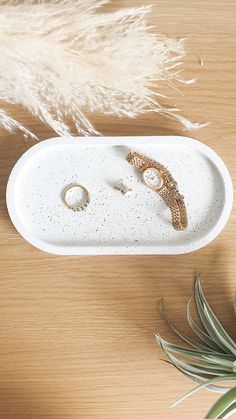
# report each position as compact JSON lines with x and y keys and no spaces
{"x":76,"y":197}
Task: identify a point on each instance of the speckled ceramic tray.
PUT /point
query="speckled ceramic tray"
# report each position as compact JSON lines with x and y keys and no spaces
{"x":113,"y":223}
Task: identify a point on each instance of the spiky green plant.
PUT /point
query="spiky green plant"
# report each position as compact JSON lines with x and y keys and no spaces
{"x":210,"y":360}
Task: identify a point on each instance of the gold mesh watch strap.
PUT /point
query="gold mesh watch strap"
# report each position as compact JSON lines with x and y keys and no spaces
{"x":169,"y":192}
{"x":183,"y":214}
{"x":136,"y":159}
{"x":177,"y":209}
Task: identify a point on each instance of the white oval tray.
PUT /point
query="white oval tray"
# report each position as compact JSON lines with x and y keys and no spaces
{"x":113,"y":223}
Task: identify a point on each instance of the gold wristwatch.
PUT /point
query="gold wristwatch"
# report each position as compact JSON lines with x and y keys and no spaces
{"x":158,"y":178}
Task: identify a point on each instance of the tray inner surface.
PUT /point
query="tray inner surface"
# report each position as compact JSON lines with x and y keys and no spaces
{"x":112,"y":219}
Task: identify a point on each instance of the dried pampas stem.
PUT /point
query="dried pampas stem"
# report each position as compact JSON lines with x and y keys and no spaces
{"x":61,"y":58}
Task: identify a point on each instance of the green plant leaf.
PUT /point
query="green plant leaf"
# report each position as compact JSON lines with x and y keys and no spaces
{"x":202,"y":368}
{"x":210,"y":387}
{"x":228,"y":412}
{"x":228,"y":377}
{"x":198,"y":373}
{"x":208,"y":362}
{"x":195,"y":370}
{"x":225,"y":405}
{"x":220,"y":359}
{"x":211,"y":323}
{"x":185,"y":338}
{"x":199,"y":332}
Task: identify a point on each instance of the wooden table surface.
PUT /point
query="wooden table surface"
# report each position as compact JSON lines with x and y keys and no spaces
{"x":77,"y":333}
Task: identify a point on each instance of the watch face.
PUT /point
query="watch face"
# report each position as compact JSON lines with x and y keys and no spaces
{"x":152,"y":178}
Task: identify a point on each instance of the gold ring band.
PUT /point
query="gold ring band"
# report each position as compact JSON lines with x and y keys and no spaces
{"x":83,"y":202}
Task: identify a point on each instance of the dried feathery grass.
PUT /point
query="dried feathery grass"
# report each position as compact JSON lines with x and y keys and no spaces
{"x":60,"y":59}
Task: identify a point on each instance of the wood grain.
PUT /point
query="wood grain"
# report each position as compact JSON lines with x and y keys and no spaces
{"x":76,"y":334}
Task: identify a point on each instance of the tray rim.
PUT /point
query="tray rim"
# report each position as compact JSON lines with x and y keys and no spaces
{"x":122,"y":250}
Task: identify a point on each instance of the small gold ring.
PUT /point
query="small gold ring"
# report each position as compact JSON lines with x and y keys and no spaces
{"x":82,"y":202}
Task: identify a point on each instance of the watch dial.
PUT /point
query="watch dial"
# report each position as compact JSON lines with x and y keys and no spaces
{"x":152,"y":178}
